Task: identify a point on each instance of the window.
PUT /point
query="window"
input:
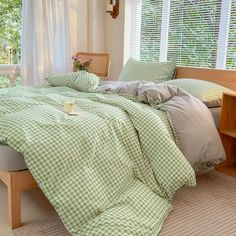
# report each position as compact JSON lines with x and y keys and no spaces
{"x":193,"y":32}
{"x":199,"y":33}
{"x":10,"y":26}
{"x":150,"y":30}
{"x":231,"y":53}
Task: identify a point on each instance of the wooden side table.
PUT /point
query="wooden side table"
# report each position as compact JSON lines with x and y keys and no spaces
{"x":228,"y":133}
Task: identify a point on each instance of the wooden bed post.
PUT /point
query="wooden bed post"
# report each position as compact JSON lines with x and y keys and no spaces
{"x":16,"y":182}
{"x":14,"y":201}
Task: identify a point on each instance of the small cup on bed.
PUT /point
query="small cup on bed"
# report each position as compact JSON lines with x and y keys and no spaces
{"x":69,"y":106}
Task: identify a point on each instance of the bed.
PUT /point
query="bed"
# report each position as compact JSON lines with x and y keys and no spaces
{"x":18,"y":178}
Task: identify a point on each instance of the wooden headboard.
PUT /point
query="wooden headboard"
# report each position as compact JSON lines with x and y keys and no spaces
{"x":226,"y":78}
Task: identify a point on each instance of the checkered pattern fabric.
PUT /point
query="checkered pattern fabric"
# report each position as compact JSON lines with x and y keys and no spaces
{"x":209,"y":93}
{"x":112,"y":170}
{"x":86,"y":82}
{"x":63,"y":79}
{"x":81,"y":80}
{"x":148,"y":71}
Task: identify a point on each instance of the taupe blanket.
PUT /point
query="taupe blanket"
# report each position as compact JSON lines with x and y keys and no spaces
{"x":193,"y":124}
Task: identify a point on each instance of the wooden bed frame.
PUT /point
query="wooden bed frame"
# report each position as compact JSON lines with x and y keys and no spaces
{"x":16,"y":182}
{"x":19,"y":181}
{"x":225,"y":78}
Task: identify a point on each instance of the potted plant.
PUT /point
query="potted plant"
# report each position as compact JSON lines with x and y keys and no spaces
{"x":81,"y":64}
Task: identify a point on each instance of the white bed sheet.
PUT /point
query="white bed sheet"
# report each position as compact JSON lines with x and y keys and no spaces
{"x":10,"y":160}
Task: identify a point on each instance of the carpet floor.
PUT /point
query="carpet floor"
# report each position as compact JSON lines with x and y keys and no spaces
{"x":207,"y":210}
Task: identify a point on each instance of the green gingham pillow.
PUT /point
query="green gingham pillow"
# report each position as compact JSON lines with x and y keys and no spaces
{"x":64,"y":79}
{"x":208,"y":92}
{"x":149,"y":71}
{"x":86,"y":82}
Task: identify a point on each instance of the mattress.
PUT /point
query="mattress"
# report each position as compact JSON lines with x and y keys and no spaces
{"x":10,"y":160}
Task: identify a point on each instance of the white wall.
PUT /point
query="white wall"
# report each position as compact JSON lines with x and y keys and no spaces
{"x":79,"y":25}
{"x":96,"y":31}
{"x":97,"y":25}
{"x":88,"y":24}
{"x":115,"y":41}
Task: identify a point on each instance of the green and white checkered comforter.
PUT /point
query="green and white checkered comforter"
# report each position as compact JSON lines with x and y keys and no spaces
{"x":112,"y":170}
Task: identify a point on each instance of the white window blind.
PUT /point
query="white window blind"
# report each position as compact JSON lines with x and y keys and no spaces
{"x":231,"y":52}
{"x":193,"y":32}
{"x":199,"y":33}
{"x":150,"y":30}
{"x":132,"y":29}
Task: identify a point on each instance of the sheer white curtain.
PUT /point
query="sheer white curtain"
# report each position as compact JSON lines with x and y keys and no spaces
{"x":46,"y":42}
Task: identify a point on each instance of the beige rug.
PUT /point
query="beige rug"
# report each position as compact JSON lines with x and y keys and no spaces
{"x":207,"y":210}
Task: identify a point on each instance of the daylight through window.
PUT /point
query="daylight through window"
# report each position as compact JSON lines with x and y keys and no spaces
{"x":10,"y":27}
{"x":199,"y":33}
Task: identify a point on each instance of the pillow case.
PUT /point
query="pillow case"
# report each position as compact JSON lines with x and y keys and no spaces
{"x":148,"y":71}
{"x":86,"y":82}
{"x":63,"y":79}
{"x":80,"y":80}
{"x":208,"y":92}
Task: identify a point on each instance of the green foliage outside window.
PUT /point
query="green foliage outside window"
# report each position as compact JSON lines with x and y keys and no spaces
{"x":231,"y":54}
{"x":10,"y":25}
{"x":4,"y":82}
{"x":193,"y":32}
{"x":150,"y":30}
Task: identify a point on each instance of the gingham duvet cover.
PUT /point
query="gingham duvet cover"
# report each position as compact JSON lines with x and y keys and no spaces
{"x":112,"y":170}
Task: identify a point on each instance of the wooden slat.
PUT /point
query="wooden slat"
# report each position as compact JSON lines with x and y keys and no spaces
{"x":225,"y":78}
{"x":26,"y":180}
{"x":228,"y":170}
{"x":228,"y":114}
{"x":14,"y":202}
{"x":231,"y":133}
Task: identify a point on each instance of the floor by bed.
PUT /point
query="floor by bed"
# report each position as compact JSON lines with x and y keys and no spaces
{"x":208,"y":209}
